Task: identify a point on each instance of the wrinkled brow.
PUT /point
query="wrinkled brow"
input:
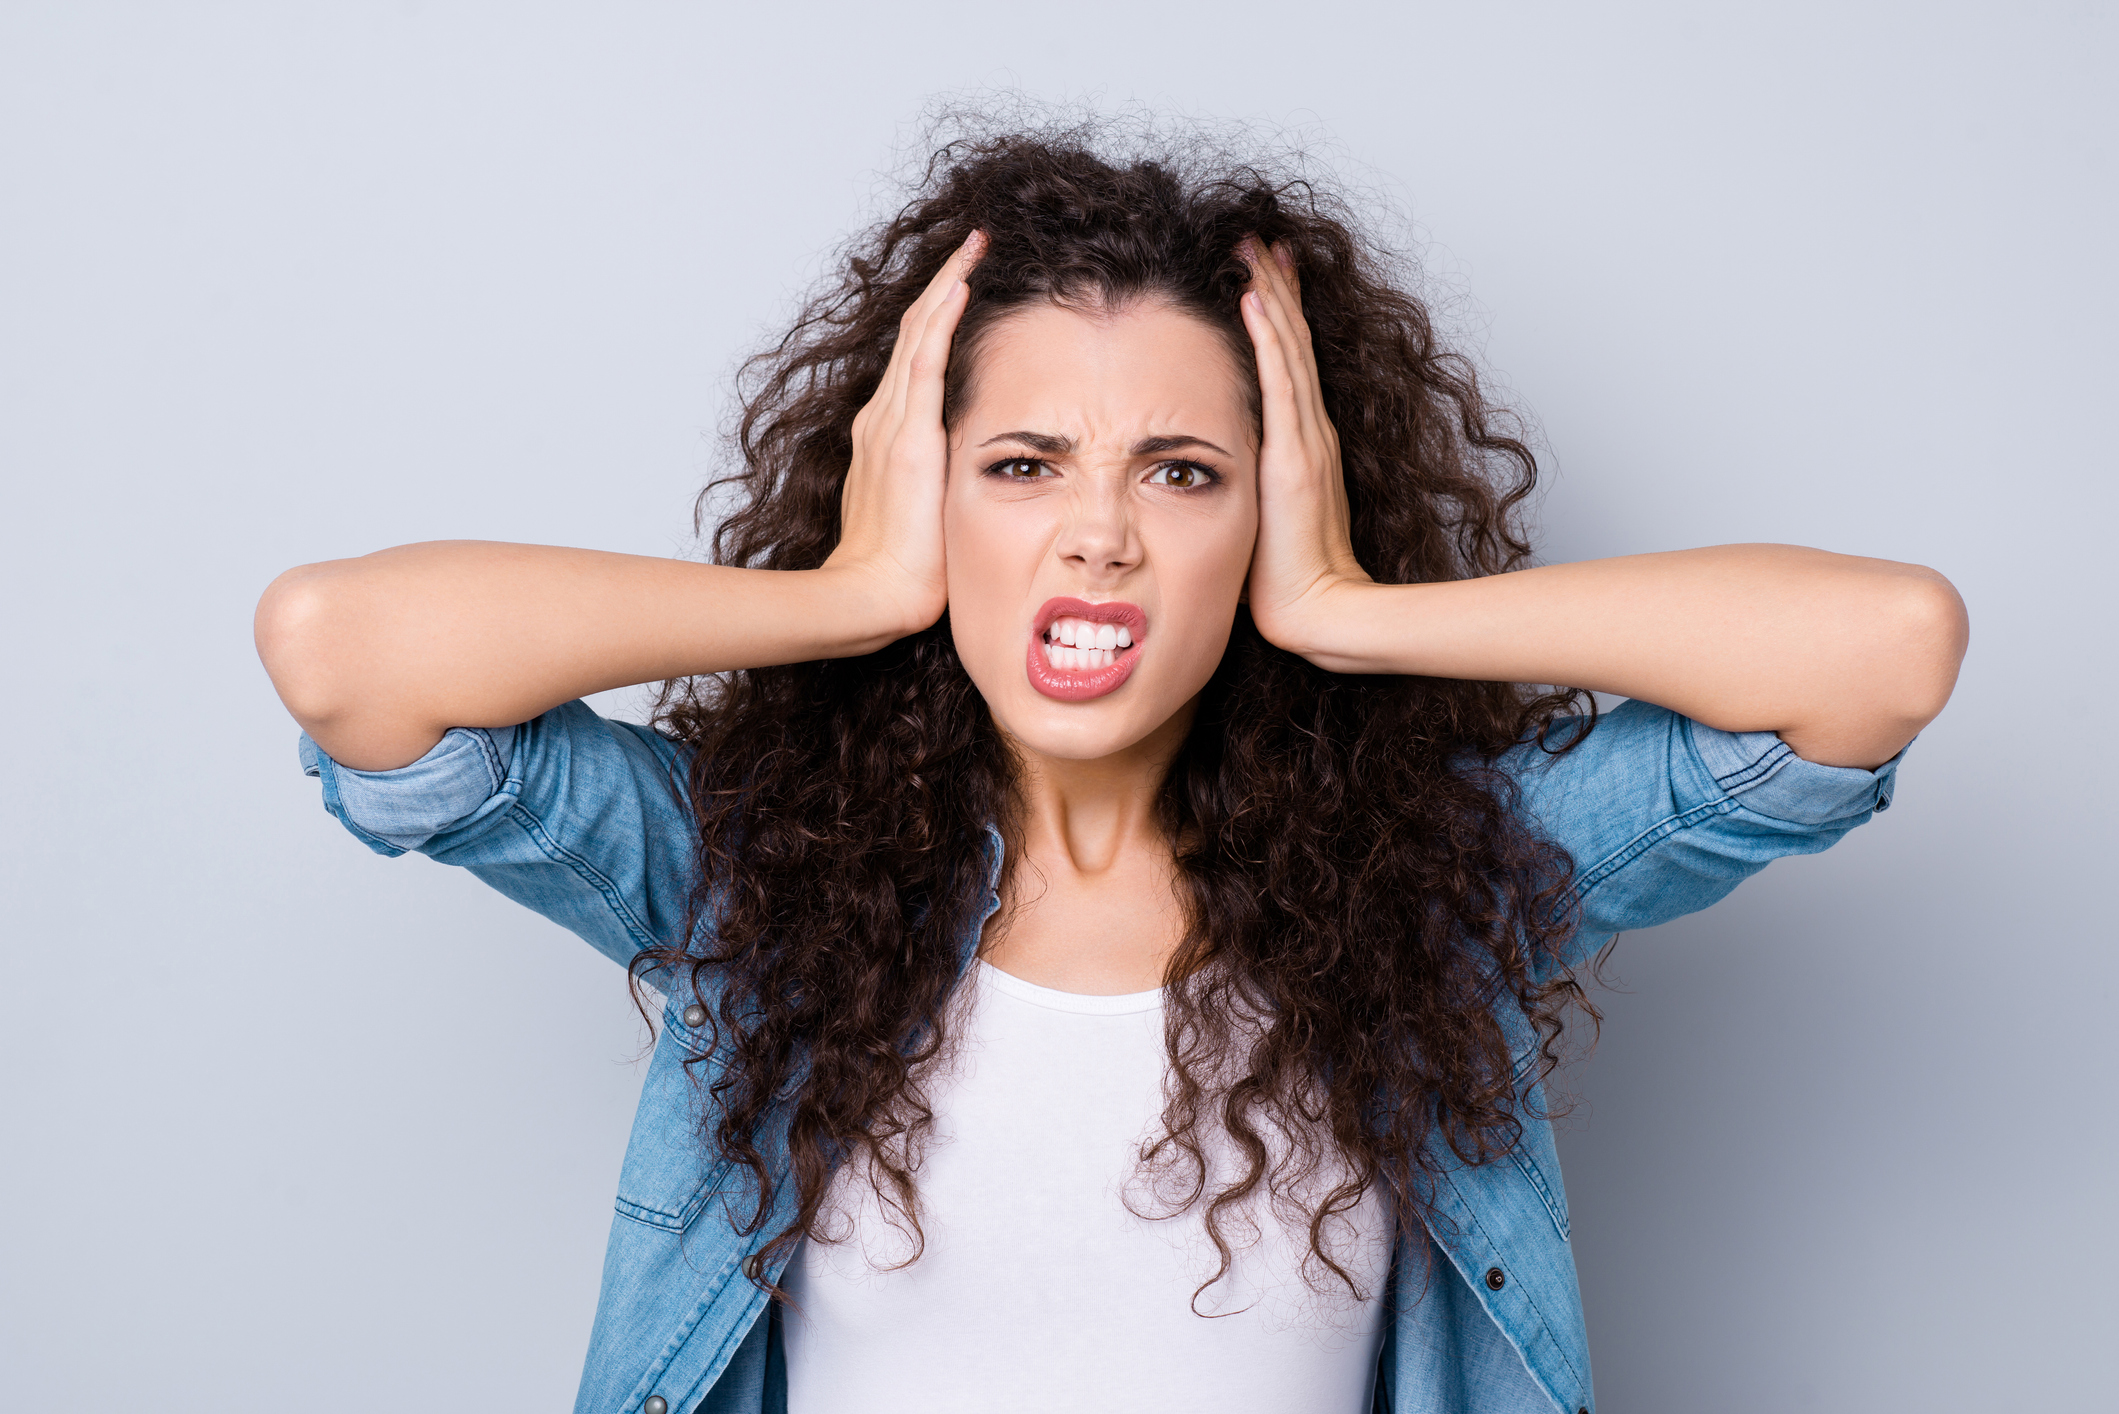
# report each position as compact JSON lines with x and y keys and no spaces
{"x":1051,"y":446}
{"x":1044,"y":442}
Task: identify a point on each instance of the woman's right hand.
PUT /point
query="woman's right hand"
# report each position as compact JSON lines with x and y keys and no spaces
{"x":376,"y":657}
{"x":890,"y":512}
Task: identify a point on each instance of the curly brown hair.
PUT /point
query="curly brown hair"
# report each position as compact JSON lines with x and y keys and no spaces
{"x":1354,"y":870}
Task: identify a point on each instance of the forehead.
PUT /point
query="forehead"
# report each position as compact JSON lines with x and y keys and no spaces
{"x":1050,"y":368}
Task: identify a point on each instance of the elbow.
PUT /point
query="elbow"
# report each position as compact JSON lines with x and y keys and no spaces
{"x":1875,"y":666}
{"x":1893,"y":677}
{"x":294,"y":628}
{"x":1915,"y":640}
{"x":1927,"y":636}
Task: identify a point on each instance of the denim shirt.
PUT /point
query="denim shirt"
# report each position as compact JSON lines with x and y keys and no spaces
{"x":587,"y":821}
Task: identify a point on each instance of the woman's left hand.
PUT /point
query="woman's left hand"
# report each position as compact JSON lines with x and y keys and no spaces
{"x":1305,"y":550}
{"x":1846,"y":658}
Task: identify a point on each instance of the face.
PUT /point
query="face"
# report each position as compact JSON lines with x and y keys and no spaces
{"x":1100,"y":514}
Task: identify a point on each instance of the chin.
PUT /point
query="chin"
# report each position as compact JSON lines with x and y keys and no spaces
{"x":1074,"y":732}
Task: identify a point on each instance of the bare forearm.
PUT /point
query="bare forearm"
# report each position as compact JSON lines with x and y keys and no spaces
{"x":378,"y":656}
{"x":1846,"y":658}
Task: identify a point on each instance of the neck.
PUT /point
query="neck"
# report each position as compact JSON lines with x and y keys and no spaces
{"x":1091,"y":813}
{"x":1088,"y":900}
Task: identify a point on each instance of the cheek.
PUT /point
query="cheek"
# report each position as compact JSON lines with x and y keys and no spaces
{"x":1212,"y":560}
{"x":989,"y":570}
{"x":975,"y":543}
{"x":1215,"y":570}
{"x":1200,"y":577}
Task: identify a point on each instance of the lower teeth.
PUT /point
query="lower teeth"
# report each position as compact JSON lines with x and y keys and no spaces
{"x":1064,"y":658}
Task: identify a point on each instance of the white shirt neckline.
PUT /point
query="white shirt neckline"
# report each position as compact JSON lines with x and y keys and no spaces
{"x":1080,"y":1003}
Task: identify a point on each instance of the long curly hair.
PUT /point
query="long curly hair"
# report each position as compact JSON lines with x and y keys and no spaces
{"x":1356,"y":880}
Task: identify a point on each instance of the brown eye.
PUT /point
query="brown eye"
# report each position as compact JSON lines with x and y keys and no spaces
{"x":1020,"y":469}
{"x":1183,"y":475}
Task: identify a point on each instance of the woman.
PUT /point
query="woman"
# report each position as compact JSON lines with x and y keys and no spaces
{"x":1115,"y":907}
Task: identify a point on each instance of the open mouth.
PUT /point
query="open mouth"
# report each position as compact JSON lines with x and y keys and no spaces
{"x":1073,"y":644}
{"x":1082,"y":650}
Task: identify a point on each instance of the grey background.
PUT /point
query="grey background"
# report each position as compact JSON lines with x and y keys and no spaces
{"x":286,"y":1123}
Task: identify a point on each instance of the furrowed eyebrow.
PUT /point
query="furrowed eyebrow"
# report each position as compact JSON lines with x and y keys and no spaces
{"x":1052,"y":446}
{"x":1156,"y":446}
{"x":1036,"y":441}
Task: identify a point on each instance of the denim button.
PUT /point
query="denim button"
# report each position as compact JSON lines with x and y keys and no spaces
{"x":656,"y":1404}
{"x":752,"y":1265}
{"x":695,"y":1015}
{"x":1494,"y":1279}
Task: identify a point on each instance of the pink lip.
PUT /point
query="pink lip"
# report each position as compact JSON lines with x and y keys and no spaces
{"x":1073,"y":685}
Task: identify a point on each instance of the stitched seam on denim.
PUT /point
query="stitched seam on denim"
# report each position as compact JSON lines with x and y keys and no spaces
{"x":662,"y":1218}
{"x":722,"y":1353}
{"x":1524,"y":1062}
{"x":1528,"y":1299}
{"x":1647,"y":840}
{"x":1744,"y":778}
{"x":494,"y":768}
{"x":559,"y":854}
{"x":1530,"y":1168}
{"x":647,"y":1217}
{"x":1536,"y":1176}
{"x":681,"y":1220}
{"x":676,"y":1342}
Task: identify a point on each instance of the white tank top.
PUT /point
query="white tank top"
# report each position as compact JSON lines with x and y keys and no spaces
{"x":1038,"y":1290}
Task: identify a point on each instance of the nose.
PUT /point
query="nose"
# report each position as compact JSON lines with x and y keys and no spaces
{"x":1098,"y":537}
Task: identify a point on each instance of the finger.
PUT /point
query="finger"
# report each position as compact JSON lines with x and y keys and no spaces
{"x":923,"y":373}
{"x":1296,"y":427}
{"x":1262,"y":265}
{"x":1281,"y":289}
{"x":1277,"y":381}
{"x":1286,"y":285}
{"x":955,"y":269}
{"x":1293,"y":412}
{"x":915,"y":325}
{"x":1270,"y":277}
{"x":1293,"y":335}
{"x":1284,"y":257}
{"x":1269,"y":266}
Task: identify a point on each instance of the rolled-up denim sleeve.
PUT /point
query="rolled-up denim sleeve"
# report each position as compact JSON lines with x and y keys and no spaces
{"x":1664,"y":815}
{"x":585,"y":820}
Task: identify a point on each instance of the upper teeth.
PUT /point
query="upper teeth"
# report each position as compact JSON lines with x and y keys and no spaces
{"x":1080,"y":633}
